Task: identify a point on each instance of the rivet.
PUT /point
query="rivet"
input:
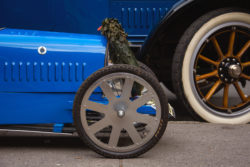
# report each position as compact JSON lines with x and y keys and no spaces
{"x":222,"y":75}
{"x":226,"y":79}
{"x":223,"y":63}
{"x":234,"y":59}
{"x":228,"y":59}
{"x":221,"y":69}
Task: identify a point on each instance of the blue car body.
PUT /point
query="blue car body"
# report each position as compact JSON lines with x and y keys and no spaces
{"x":84,"y":16}
{"x":40,"y":88}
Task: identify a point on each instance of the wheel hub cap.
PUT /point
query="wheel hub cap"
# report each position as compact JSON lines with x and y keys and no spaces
{"x":120,"y":113}
{"x":120,"y":108}
{"x":234,"y":71}
{"x":229,"y":70}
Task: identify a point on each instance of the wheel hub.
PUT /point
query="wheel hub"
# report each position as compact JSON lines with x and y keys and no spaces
{"x":120,"y":113}
{"x":234,"y":71}
{"x":120,"y":108}
{"x":229,"y":70}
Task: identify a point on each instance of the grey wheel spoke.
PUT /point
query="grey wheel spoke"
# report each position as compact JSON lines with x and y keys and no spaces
{"x":96,"y":127}
{"x":127,"y":88}
{"x":141,"y":100}
{"x":96,"y":107}
{"x":114,"y":136}
{"x":107,"y":90}
{"x":143,"y":118}
{"x":132,"y":132}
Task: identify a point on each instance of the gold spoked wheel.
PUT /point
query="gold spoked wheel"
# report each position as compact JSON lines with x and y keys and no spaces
{"x":221,"y":70}
{"x":211,"y":71}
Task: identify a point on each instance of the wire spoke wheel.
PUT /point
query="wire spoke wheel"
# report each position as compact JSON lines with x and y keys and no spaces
{"x":112,"y":119}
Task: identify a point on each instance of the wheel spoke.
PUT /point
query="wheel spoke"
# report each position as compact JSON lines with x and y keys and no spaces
{"x":114,"y":136}
{"x":96,"y":107}
{"x":245,"y":76}
{"x":225,"y":96}
{"x":96,"y":127}
{"x":143,"y":118}
{"x":132,"y":132}
{"x":208,"y":60}
{"x":243,"y":50}
{"x":231,"y":43}
{"x":208,"y":75}
{"x":245,"y":64}
{"x":127,"y":87}
{"x":141,"y":100}
{"x":107,"y":90}
{"x":212,"y":90}
{"x":240,"y":92}
{"x":217,"y":47}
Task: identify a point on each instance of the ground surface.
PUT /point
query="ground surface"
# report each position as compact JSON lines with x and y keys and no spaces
{"x":184,"y":144}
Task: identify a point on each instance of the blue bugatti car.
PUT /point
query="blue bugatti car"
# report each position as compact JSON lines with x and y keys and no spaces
{"x":61,"y":82}
{"x":162,"y":32}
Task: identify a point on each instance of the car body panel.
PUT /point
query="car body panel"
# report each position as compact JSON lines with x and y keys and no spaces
{"x":38,"y":88}
{"x":84,"y":16}
{"x":69,"y":60}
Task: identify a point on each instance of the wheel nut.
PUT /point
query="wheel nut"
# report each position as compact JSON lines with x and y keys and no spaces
{"x":222,"y":75}
{"x":226,"y":79}
{"x":220,"y":69}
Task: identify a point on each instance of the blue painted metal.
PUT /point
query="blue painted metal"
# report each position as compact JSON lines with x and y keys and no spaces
{"x":147,"y":109}
{"x":58,"y":128}
{"x":41,"y":88}
{"x":84,"y":16}
{"x":36,"y":108}
{"x":69,"y":60}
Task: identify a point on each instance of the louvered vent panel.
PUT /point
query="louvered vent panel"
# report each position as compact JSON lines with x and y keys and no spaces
{"x":138,"y":17}
{"x":141,"y":17}
{"x":43,"y":72}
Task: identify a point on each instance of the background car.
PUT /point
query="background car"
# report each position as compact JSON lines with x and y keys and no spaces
{"x":199,"y":49}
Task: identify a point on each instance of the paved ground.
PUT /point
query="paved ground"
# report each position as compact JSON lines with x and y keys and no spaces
{"x":184,"y":144}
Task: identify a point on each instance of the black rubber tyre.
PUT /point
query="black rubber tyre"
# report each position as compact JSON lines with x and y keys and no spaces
{"x":146,"y":68}
{"x":113,"y":71}
{"x":185,"y":57}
